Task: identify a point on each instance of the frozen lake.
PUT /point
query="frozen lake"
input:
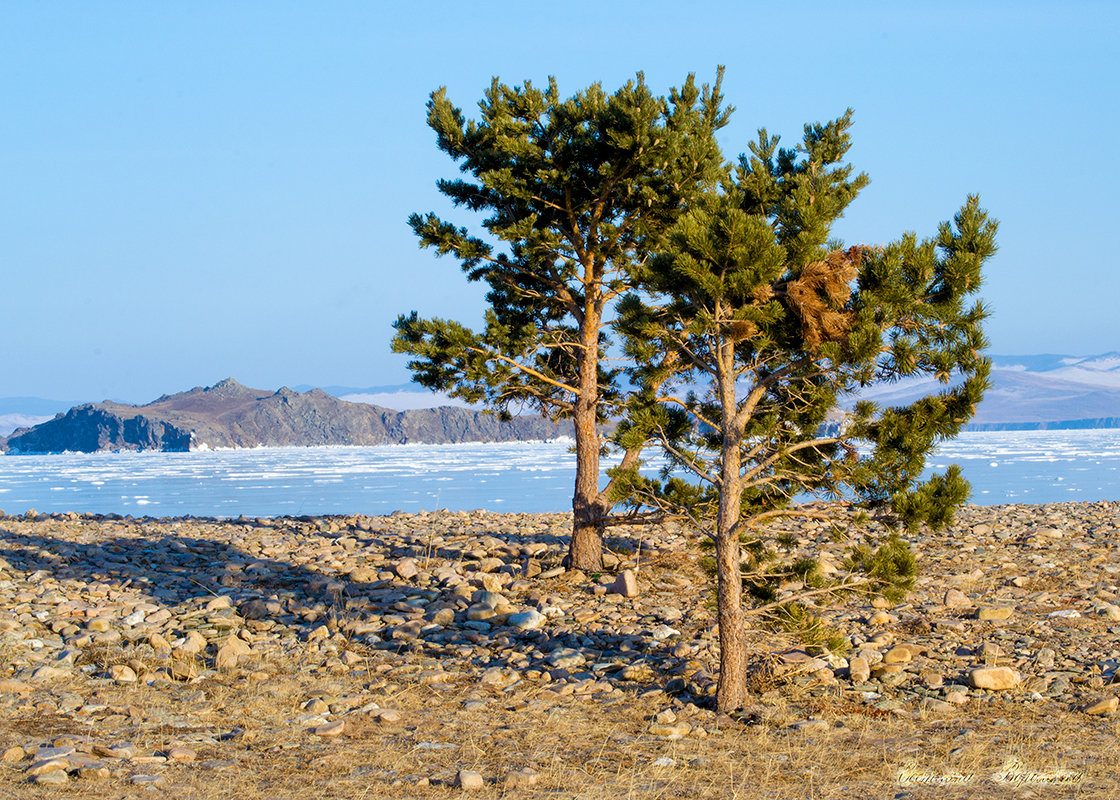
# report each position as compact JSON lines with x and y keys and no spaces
{"x":1004,"y":467}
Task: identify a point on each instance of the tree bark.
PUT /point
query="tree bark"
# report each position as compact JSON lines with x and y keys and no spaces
{"x":585,"y":551}
{"x":731,"y":693}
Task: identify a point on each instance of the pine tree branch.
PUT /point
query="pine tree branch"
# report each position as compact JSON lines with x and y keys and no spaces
{"x":843,"y":587}
{"x":688,"y":460}
{"x":691,"y":410}
{"x":522,"y":368}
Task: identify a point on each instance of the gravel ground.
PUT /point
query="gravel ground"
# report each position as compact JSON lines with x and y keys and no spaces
{"x":183,"y":657}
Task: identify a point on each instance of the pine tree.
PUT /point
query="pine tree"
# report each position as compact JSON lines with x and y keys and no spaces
{"x":753,"y":325}
{"x":576,"y":193}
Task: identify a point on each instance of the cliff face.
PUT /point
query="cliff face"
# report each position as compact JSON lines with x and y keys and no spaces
{"x":231,"y":415}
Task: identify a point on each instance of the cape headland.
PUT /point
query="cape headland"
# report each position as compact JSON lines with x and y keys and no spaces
{"x":229,"y":414}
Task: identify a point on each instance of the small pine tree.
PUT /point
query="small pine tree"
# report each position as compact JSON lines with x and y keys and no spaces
{"x":753,"y":325}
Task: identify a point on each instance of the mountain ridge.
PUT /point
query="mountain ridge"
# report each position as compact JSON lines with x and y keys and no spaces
{"x":229,"y":414}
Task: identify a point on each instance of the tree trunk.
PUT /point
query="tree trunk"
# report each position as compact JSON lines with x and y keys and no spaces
{"x":731,"y":694}
{"x":585,"y":552}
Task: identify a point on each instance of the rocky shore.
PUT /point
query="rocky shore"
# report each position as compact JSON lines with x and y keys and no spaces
{"x":431,"y":654}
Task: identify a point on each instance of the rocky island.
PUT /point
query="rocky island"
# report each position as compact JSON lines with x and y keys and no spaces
{"x":229,"y":414}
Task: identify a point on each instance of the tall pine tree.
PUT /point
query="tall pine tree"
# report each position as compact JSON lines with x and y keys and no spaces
{"x":754,"y":325}
{"x":575,"y":194}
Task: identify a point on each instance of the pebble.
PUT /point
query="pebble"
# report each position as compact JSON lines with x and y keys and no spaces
{"x":336,"y":728}
{"x":58,"y":777}
{"x":626,"y":584}
{"x":897,"y":655}
{"x":994,"y":678}
{"x":469,"y":780}
{"x":122,"y":673}
{"x":521,"y":779}
{"x":530,"y":620}
{"x":181,"y":755}
{"x":1103,"y":705}
{"x":955,"y":598}
{"x":45,"y":765}
{"x":675,"y":730}
{"x":859,"y":670}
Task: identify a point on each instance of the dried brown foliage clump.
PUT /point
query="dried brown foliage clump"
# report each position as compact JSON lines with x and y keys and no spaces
{"x":820,"y":293}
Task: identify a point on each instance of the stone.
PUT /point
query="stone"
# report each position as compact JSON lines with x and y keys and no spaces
{"x":566,"y":657}
{"x":359,"y":575}
{"x":45,"y":765}
{"x":230,"y":653}
{"x":521,"y":779}
{"x":481,"y":611}
{"x":184,"y":669}
{"x":675,"y":730}
{"x":12,"y":754}
{"x":1110,"y":611}
{"x":935,"y":706}
{"x":58,"y":777}
{"x":406,"y":569}
{"x":441,"y":616}
{"x":993,"y":613}
{"x":1102,"y":705}
{"x":50,"y":674}
{"x":899,"y":654}
{"x":121,"y":750}
{"x":386,"y":715}
{"x":122,"y":673}
{"x":626,"y":584}
{"x":637,"y":672}
{"x":195,"y":643}
{"x":336,"y":728}
{"x":180,"y":754}
{"x":498,"y":676}
{"x":994,"y":678}
{"x":148,"y":780}
{"x":859,"y":670}
{"x":955,"y":598}
{"x":529,"y":620}
{"x":663,"y":632}
{"x":469,"y":780}
{"x":485,"y":597}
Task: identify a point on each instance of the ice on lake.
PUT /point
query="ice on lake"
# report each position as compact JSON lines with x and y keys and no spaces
{"x":1003,"y":467}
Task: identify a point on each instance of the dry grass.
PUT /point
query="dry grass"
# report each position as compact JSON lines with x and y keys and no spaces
{"x":579,"y":747}
{"x":252,"y":739}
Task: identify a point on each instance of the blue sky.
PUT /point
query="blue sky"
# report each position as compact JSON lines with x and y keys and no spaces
{"x":190,"y":191}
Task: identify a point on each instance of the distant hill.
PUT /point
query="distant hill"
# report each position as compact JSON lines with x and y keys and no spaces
{"x":1033,"y":392}
{"x":23,"y":412}
{"x":1028,"y":392}
{"x":231,"y":415}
